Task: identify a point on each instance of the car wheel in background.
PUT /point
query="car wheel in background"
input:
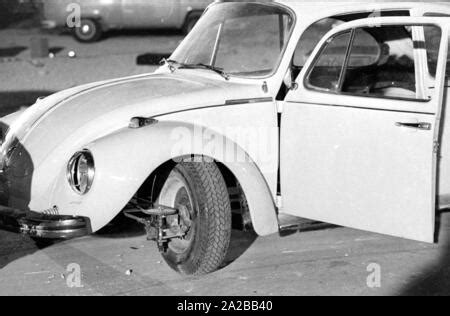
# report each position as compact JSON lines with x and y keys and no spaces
{"x":90,"y":31}
{"x":198,"y":190}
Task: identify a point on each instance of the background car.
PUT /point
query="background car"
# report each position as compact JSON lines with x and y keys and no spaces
{"x":100,"y":16}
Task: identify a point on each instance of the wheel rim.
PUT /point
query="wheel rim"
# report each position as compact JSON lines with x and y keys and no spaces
{"x":177,"y":194}
{"x":87,"y":30}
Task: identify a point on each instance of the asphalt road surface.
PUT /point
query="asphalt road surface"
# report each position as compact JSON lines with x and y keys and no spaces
{"x":331,"y":261}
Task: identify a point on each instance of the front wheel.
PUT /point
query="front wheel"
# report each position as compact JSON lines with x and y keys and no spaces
{"x":198,"y":190}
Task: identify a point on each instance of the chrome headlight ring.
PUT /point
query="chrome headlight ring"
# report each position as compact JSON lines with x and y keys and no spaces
{"x":81,"y":172}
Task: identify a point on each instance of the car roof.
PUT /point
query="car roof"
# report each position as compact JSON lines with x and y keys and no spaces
{"x":311,"y":11}
{"x":358,"y":5}
{"x":317,"y":10}
{"x":330,"y":7}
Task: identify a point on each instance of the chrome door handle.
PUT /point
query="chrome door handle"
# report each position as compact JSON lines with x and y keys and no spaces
{"x":420,"y":125}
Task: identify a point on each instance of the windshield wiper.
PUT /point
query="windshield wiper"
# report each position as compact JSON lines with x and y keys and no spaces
{"x":217,"y":70}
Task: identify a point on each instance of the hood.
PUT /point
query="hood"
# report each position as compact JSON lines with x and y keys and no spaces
{"x":71,"y":119}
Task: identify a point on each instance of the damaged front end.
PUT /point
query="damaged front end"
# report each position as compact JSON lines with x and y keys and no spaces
{"x":16,"y":172}
{"x":43,"y":226}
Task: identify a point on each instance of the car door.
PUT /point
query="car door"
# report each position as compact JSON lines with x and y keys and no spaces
{"x":359,"y":136}
{"x":155,"y":13}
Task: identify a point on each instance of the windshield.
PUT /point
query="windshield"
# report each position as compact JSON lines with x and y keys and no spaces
{"x":242,"y":39}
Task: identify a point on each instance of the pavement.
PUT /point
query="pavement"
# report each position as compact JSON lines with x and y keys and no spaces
{"x":331,"y":261}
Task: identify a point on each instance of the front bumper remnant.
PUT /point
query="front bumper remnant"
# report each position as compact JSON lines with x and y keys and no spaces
{"x":44,"y":226}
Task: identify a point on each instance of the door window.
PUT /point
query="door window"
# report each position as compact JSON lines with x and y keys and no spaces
{"x":432,"y":45}
{"x":380,"y":63}
{"x":330,"y":64}
{"x":312,"y":35}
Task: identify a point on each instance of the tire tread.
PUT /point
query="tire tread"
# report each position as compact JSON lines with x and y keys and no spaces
{"x":216,"y":204}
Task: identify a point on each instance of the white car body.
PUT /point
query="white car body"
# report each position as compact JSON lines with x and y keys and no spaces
{"x":320,"y":177}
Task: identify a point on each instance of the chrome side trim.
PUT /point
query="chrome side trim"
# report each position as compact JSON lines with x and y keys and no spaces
{"x":247,"y":101}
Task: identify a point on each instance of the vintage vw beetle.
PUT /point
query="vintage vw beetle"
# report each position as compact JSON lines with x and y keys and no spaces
{"x":248,"y":115}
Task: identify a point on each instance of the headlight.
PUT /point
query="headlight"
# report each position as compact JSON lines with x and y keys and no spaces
{"x":81,"y":172}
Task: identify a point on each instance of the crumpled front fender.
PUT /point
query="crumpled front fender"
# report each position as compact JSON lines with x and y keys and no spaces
{"x":125,"y":159}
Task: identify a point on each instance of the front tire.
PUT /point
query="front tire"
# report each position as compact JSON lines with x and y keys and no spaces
{"x":200,"y":190}
{"x":90,"y":31}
